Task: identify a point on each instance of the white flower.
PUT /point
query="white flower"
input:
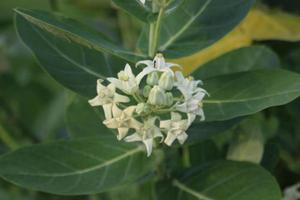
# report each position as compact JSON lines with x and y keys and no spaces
{"x":143,"y":1}
{"x":106,"y":97}
{"x":158,"y":64}
{"x":193,"y":107}
{"x":292,"y":192}
{"x":126,"y":81}
{"x":187,"y":86}
{"x":175,"y":129}
{"x":122,"y":120}
{"x":146,"y":133}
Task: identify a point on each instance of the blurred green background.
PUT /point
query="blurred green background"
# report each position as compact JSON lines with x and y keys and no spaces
{"x":32,"y":104}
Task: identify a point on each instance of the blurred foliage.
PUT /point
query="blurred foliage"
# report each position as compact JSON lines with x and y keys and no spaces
{"x":32,"y":104}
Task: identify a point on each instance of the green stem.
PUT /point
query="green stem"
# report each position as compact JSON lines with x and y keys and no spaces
{"x":186,"y":157}
{"x":154,"y":34}
{"x":188,"y":190}
{"x":6,"y":139}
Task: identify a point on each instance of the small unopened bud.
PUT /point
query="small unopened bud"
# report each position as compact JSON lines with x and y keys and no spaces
{"x":169,"y":99}
{"x":146,"y":90}
{"x":142,"y":108}
{"x":157,"y":96}
{"x":166,"y":81}
{"x":152,"y":79}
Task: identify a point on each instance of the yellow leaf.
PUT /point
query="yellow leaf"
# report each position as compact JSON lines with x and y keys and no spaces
{"x":236,"y":39}
{"x":264,"y":24}
{"x":260,"y":24}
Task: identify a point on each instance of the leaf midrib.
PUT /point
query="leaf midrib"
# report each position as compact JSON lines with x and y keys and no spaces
{"x":185,"y":27}
{"x":38,"y":22}
{"x":248,"y":99}
{"x":97,"y":167}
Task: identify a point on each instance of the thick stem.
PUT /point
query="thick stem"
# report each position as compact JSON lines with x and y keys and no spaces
{"x":186,"y":162}
{"x":154,"y":33}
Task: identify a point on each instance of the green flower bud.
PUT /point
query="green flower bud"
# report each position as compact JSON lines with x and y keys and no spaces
{"x":169,"y":99}
{"x":146,"y":90}
{"x":142,"y":108}
{"x":166,"y":81}
{"x":157,"y":96}
{"x":152,"y":79}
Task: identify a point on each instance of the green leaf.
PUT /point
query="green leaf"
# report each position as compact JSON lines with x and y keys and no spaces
{"x":74,"y":31}
{"x":137,"y":9}
{"x":83,"y":121}
{"x":205,"y":130}
{"x":239,"y":60}
{"x":246,"y":93}
{"x":72,"y":54}
{"x":75,"y":167}
{"x":224,"y":180}
{"x":197,"y":24}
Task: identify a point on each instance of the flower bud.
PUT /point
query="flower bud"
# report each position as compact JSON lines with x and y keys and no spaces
{"x":166,"y":81}
{"x":152,"y":78}
{"x":157,"y":96}
{"x":142,"y":108}
{"x":146,"y":90}
{"x":169,"y":99}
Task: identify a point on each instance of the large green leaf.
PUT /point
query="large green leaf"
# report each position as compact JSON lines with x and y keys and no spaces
{"x":75,"y":167}
{"x":246,"y":93}
{"x":84,"y":121}
{"x":239,"y":60}
{"x":197,"y":24}
{"x":223,"y":180}
{"x":74,"y":56}
{"x":205,"y":130}
{"x":137,"y":9}
{"x":74,"y":31}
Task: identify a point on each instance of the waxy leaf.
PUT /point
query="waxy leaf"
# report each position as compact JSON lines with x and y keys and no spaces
{"x":239,"y":60}
{"x":137,"y":9}
{"x":75,"y":167}
{"x":72,"y":55}
{"x":196,"y":24}
{"x":84,"y":121}
{"x":246,"y":93}
{"x":223,"y":180}
{"x":74,"y":31}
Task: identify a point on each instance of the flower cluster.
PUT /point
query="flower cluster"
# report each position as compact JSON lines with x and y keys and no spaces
{"x":157,"y":103}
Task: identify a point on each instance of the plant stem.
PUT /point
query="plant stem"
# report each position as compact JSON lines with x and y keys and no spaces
{"x":53,"y":5}
{"x":186,"y":162}
{"x":186,"y":189}
{"x":154,"y":33}
{"x":6,"y":139}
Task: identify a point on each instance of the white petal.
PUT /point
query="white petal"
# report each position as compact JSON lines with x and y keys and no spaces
{"x":182,"y":137}
{"x":99,"y":85}
{"x":175,"y":116}
{"x":143,"y":1}
{"x":143,"y":73}
{"x":165,"y":124}
{"x":116,"y":111}
{"x":149,"y":145}
{"x":129,"y":110}
{"x":133,"y":123}
{"x":111,"y":123}
{"x":133,"y":138}
{"x":96,"y":101}
{"x":120,"y":98}
{"x":122,"y":133}
{"x":170,"y":139}
{"x":107,"y":111}
{"x":191,"y":118}
{"x":148,"y":63}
